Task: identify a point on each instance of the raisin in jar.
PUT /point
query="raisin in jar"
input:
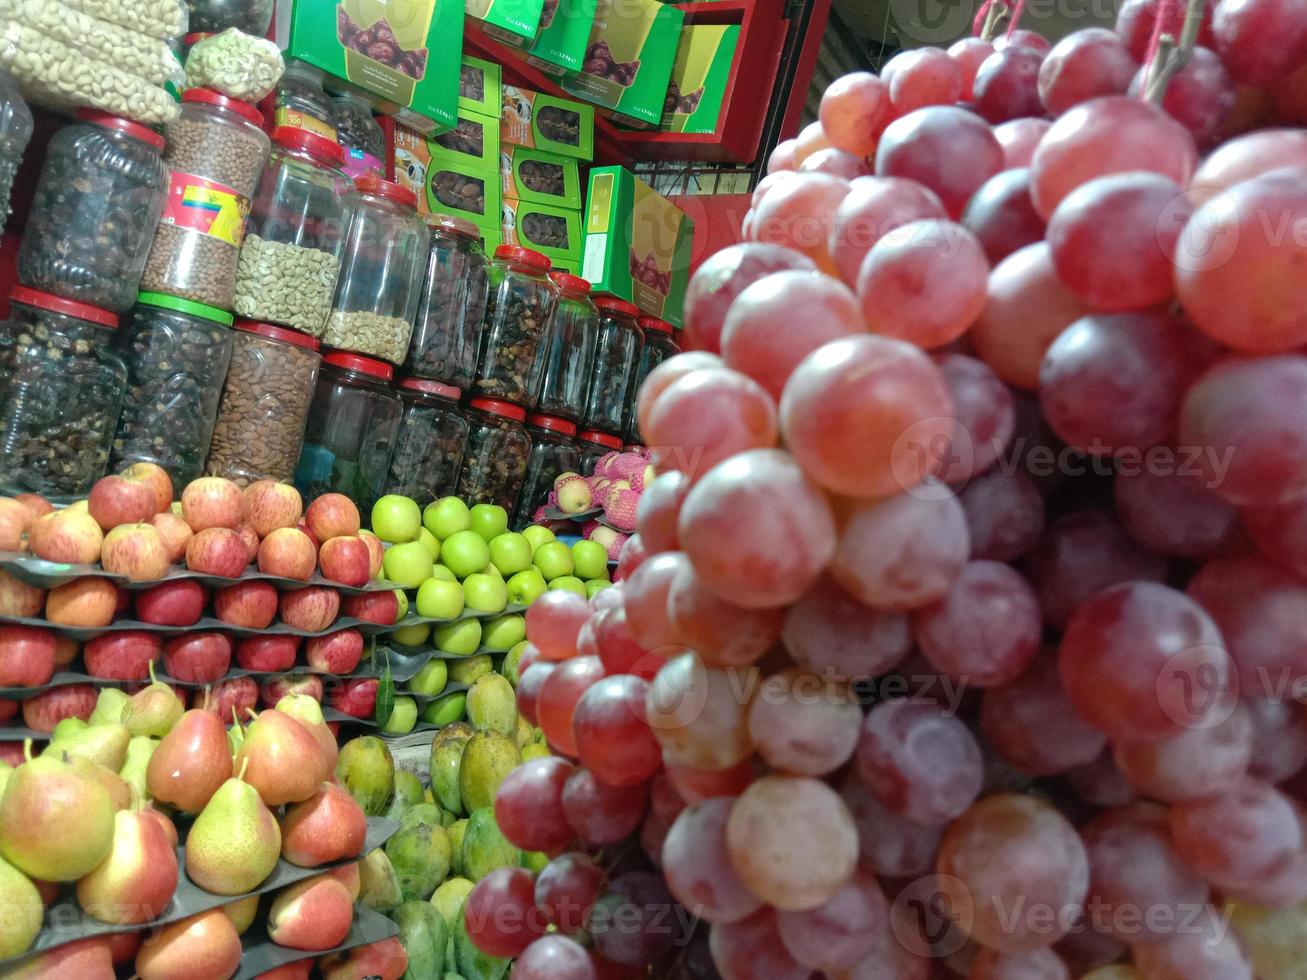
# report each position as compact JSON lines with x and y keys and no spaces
{"x":453,"y":304}
{"x":302,"y":102}
{"x":251,"y":16}
{"x":61,"y":387}
{"x":431,"y":441}
{"x":351,"y":430}
{"x":359,"y":135}
{"x":498,"y":448}
{"x":176,"y":354}
{"x":553,"y":452}
{"x":659,"y":345}
{"x":616,"y":361}
{"x":15,"y":132}
{"x":569,"y":350}
{"x":594,"y":446}
{"x":95,"y":211}
{"x":521,"y":304}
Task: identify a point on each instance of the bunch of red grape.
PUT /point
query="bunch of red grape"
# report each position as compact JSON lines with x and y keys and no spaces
{"x":965,"y":629}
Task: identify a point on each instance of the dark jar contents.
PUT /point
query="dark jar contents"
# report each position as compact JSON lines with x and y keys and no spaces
{"x":520,"y":306}
{"x":594,"y":446}
{"x":452,"y":306}
{"x":359,"y":135}
{"x":431,"y":441}
{"x":497,"y":451}
{"x":213,"y":16}
{"x":15,"y":132}
{"x":659,"y":345}
{"x":95,"y":211}
{"x":61,"y":388}
{"x":569,"y":350}
{"x":553,"y":453}
{"x":176,"y":354}
{"x":265,"y":404}
{"x":617,"y":358}
{"x":351,"y":431}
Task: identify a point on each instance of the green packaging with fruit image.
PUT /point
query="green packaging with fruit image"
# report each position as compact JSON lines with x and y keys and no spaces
{"x":564,"y":34}
{"x":515,"y":22}
{"x":699,"y":78}
{"x":628,"y":61}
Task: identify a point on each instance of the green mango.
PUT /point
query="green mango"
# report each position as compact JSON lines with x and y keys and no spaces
{"x":448,"y":900}
{"x":467,"y":671}
{"x":456,"y":831}
{"x":448,"y":710}
{"x":512,"y":660}
{"x":378,"y":883}
{"x":492,"y":705}
{"x":471,"y":962}
{"x":525,"y":734}
{"x":535,"y":750}
{"x":421,"y":855}
{"x":446,"y":760}
{"x":487,"y":760}
{"x":484,"y":847}
{"x":408,"y":793}
{"x":423,"y":814}
{"x":424,"y":936}
{"x":367,"y":769}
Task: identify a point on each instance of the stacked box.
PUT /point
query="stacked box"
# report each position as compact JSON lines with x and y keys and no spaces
{"x":480,"y":87}
{"x":447,"y":181}
{"x":699,"y":78}
{"x":515,"y":22}
{"x":544,"y":122}
{"x":540,"y":178}
{"x":628,"y":62}
{"x":552,"y":231}
{"x":565,"y":27}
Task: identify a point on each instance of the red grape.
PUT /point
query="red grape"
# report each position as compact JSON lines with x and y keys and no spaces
{"x":553,"y":622}
{"x":1004,"y":513}
{"x":699,"y":715}
{"x":1248,"y":157}
{"x":1001,"y":215}
{"x":888,"y":844}
{"x":804,"y":725}
{"x":1279,"y":738}
{"x":1030,"y":723}
{"x":832,"y":634}
{"x":1240,"y":838}
{"x":566,"y":890}
{"x":1019,"y":138}
{"x":1019,"y":38}
{"x":969,"y":52}
{"x":529,"y":805}
{"x":1083,"y":66}
{"x":1170,"y":511}
{"x":646,"y":600}
{"x":782,"y":157}
{"x":698,"y":869}
{"x":707,"y":417}
{"x":1197,"y":763}
{"x":500,"y":912}
{"x":1260,"y":41}
{"x":655,"y":515}
{"x":949,"y":150}
{"x":1101,"y":783}
{"x":841,"y":932}
{"x":602,"y":814}
{"x":1200,"y":95}
{"x":620,"y":651}
{"x":720,"y":632}
{"x":984,"y":414}
{"x":554,"y":958}
{"x":811,"y":139}
{"x":1209,"y":953}
{"x":1007,"y":84}
{"x":922,"y":77}
{"x":854,"y":110}
{"x":1136,"y":20}
{"x":697,"y":785}
{"x":751,"y":949}
{"x":1036,"y":964}
{"x":528,"y":690}
{"x":630,"y":925}
{"x":835,"y":163}
{"x":874,"y":207}
{"x":1280,"y":533}
{"x":612,"y":736}
{"x":716,"y":283}
{"x":797,"y":214}
{"x":559,"y":693}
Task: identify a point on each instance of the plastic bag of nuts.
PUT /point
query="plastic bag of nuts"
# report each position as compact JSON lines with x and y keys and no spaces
{"x":235,"y":64}
{"x":166,"y":19}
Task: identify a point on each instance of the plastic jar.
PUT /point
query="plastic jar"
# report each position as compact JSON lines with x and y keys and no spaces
{"x":176,"y":354}
{"x":290,"y":259}
{"x":351,"y":431}
{"x":380,"y":272}
{"x":264,"y":405}
{"x":452,"y":305}
{"x":212,"y":16}
{"x":15,"y":132}
{"x":61,"y":387}
{"x":570,"y":350}
{"x":302,"y":102}
{"x":553,"y":452}
{"x":659,"y":345}
{"x":498,"y":448}
{"x":518,"y":310}
{"x":359,"y":135}
{"x":216,"y":152}
{"x":616,"y":361}
{"x":594,"y":446}
{"x":95,"y":211}
{"x":431,"y":441}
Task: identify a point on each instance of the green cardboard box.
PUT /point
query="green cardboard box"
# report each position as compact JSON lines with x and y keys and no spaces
{"x":628,"y":62}
{"x":637,"y":243}
{"x":540,"y":178}
{"x":444,"y":182}
{"x":545,"y":122}
{"x":553,"y":232}
{"x":699,"y":78}
{"x":480,"y":85}
{"x":515,"y":22}
{"x":472,"y":143}
{"x":402,"y":55}
{"x":565,"y":27}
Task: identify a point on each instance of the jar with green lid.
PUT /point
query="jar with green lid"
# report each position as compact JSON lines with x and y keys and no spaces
{"x":302,"y":102}
{"x":569,"y":350}
{"x":553,"y":453}
{"x":617,"y":358}
{"x":176,"y":353}
{"x":594,"y":446}
{"x":659,"y":345}
{"x":431,"y":442}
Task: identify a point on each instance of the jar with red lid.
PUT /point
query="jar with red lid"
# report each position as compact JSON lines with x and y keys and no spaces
{"x":61,"y":388}
{"x":351,"y":430}
{"x":216,"y":151}
{"x":498,"y":448}
{"x":594,"y":446}
{"x":95,"y":211}
{"x":569,"y":350}
{"x":616,"y":361}
{"x":453,"y":304}
{"x":553,"y":453}
{"x":659,"y":345}
{"x":380,"y":272}
{"x":290,"y":259}
{"x":264,"y":405}
{"x":520,"y":306}
{"x":431,"y":441}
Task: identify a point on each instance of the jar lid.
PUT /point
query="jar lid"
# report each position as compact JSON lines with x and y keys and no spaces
{"x":186,"y":306}
{"x":570,"y":283}
{"x":277,"y":333}
{"x":552,"y":423}
{"x":653,"y":323}
{"x":524,"y":256}
{"x":495,"y":407}
{"x":450,"y":222}
{"x":314,"y":145}
{"x":57,"y":304}
{"x":601,"y":439}
{"x":117,"y":123}
{"x":430,"y":387}
{"x":196,"y":37}
{"x":615,"y":305}
{"x":370,"y":183}
{"x":209,"y":97}
{"x":357,"y":362}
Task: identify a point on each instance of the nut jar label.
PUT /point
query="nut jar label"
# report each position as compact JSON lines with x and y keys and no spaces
{"x":206,"y":206}
{"x":288,"y":116}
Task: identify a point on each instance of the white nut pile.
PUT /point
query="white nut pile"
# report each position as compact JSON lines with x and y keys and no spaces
{"x":138,"y":54}
{"x":236,"y":64}
{"x":164,"y":19}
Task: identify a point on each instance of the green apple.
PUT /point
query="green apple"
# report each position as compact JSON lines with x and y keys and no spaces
{"x":510,"y":553}
{"x":553,"y":559}
{"x":428,"y":539}
{"x":446,"y":711}
{"x":412,"y":636}
{"x":396,"y":518}
{"x":503,"y":632}
{"x":485,"y":593}
{"x":401,"y":604}
{"x":465,"y":552}
{"x":402,"y":718}
{"x":569,"y":582}
{"x":461,"y":638}
{"x":431,"y":679}
{"x":408,"y":565}
{"x":511,"y":660}
{"x":468,"y":670}
{"x":440,"y":599}
{"x":489,"y":520}
{"x":537,"y":534}
{"x":590,"y":559}
{"x":595,"y":585}
{"x":442,"y":572}
{"x":526,"y":587}
{"x":492,"y":571}
{"x":446,"y":517}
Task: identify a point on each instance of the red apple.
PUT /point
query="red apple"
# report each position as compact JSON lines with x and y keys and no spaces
{"x":376,"y":552}
{"x":122,"y":602}
{"x":289,"y":553}
{"x":338,"y":653}
{"x":66,"y":650}
{"x":26,"y":656}
{"x":14,"y":522}
{"x":252,"y":604}
{"x":157,"y":479}
{"x":345,"y":559}
{"x":217,"y":551}
{"x":8,"y":708}
{"x":303,"y":526}
{"x":356,"y":697}
{"x":332,"y":515}
{"x":17,"y":598}
{"x":86,"y":601}
{"x":234,"y":696}
{"x":11,"y":753}
{"x":36,"y":504}
{"x":276,"y":688}
{"x":267,"y":505}
{"x":135,"y":550}
{"x":122,"y":656}
{"x":118,"y":500}
{"x":67,"y":536}
{"x":45,"y":710}
{"x":311,"y":609}
{"x":211,"y":501}
{"x":177,"y":602}
{"x":372,"y":607}
{"x":175,"y":533}
{"x":251,"y":540}
{"x":267,"y":654}
{"x":198,"y":658}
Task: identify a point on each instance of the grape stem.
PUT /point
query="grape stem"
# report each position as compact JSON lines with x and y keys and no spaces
{"x":1171,"y":55}
{"x":993,"y":18}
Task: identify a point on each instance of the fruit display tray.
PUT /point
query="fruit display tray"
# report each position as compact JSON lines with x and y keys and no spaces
{"x":260,"y":954}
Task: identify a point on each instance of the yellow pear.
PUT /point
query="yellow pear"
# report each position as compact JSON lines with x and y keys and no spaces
{"x":21,"y":910}
{"x":137,"y":765}
{"x":235,"y":841}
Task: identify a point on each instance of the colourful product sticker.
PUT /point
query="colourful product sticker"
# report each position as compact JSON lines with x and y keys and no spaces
{"x":287,"y":116}
{"x":206,"y":206}
{"x":359,"y":162}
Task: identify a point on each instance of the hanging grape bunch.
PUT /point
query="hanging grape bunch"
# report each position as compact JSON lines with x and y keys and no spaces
{"x":963,"y":631}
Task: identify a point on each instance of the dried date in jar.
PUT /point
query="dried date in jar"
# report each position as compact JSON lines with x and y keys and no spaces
{"x":568,"y":353}
{"x":553,"y":453}
{"x":497,"y":451}
{"x":617,"y":361}
{"x":520,"y":306}
{"x":430,"y":444}
{"x":452,"y":305}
